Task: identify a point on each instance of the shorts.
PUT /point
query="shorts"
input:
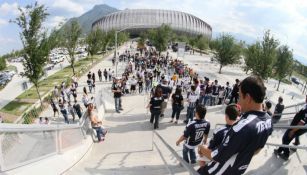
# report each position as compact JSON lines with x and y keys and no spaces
{"x":132,"y":87}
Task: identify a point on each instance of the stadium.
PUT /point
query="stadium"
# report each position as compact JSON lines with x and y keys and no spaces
{"x":135,"y":21}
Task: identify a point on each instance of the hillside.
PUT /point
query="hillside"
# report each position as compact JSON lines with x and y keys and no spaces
{"x":91,"y":16}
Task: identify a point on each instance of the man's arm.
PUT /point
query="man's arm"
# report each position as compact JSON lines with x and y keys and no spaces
{"x":205,"y":139}
{"x":181,"y":138}
{"x":204,"y":151}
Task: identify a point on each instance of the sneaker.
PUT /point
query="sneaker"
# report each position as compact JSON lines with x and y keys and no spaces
{"x":176,"y":122}
{"x":121,"y":109}
{"x":283,"y":156}
{"x":170,"y":121}
{"x":162,"y":115}
{"x":118,"y":111}
{"x":276,"y":152}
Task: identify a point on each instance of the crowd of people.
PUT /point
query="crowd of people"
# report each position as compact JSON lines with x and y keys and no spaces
{"x":247,"y":114}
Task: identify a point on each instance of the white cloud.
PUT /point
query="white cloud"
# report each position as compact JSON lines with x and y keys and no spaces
{"x":4,"y":40}
{"x":3,"y":22}
{"x":69,"y":6}
{"x":7,"y":8}
{"x":55,"y":21}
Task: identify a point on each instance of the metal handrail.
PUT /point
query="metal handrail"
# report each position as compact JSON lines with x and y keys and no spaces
{"x":287,"y":146}
{"x":295,"y":105}
{"x":190,"y":169}
{"x":36,"y":128}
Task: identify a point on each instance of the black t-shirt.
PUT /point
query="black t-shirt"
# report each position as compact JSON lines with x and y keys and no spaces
{"x":116,"y":87}
{"x":156,"y":103}
{"x":177,"y":99}
{"x":77,"y":108}
{"x":218,"y":136}
{"x":216,"y":89}
{"x":279,"y":108}
{"x":208,"y":89}
{"x":241,"y":142}
{"x":166,"y":90}
{"x":300,"y":116}
{"x":195,"y":131}
{"x":235,"y":90}
{"x":140,"y":82}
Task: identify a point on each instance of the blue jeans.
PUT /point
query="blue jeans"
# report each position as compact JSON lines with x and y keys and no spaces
{"x":99,"y":132}
{"x":206,"y":98}
{"x":118,"y":103}
{"x":190,"y":113}
{"x":65,"y":115}
{"x":187,"y":151}
{"x":176,"y":111}
{"x":155,"y":114}
{"x":201,"y":99}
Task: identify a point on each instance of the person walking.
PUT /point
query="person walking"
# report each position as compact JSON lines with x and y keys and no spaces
{"x":300,"y":119}
{"x":78,"y":109}
{"x":100,"y":75}
{"x":235,"y":92}
{"x":105,"y":74}
{"x":279,"y":108}
{"x":64,"y":111}
{"x":117,"y":91}
{"x":54,"y":108}
{"x":192,"y":100}
{"x":155,"y":107}
{"x":194,"y":134}
{"x":177,"y":104}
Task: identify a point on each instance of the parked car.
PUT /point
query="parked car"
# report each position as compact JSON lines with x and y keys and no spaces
{"x":57,"y":59}
{"x":295,"y":80}
{"x":49,"y":67}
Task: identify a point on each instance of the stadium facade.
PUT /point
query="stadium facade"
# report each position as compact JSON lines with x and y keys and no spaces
{"x":135,"y":21}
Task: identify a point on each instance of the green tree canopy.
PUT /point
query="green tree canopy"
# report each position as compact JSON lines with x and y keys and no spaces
{"x":35,"y":42}
{"x":227,"y":51}
{"x":283,"y":64}
{"x":95,"y":40}
{"x":2,"y":63}
{"x":70,"y":36}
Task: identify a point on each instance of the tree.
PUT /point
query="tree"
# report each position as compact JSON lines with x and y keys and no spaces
{"x":94,"y":41}
{"x":250,"y":54}
{"x":201,"y":43}
{"x":35,"y":42}
{"x":71,"y":34}
{"x":141,"y":42}
{"x":160,"y":37}
{"x":283,"y":65}
{"x":263,"y":62}
{"x":2,"y":63}
{"x":227,"y":51}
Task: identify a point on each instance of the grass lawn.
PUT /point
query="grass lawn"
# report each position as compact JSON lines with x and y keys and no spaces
{"x":17,"y":107}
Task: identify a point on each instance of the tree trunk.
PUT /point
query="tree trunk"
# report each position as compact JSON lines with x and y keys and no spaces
{"x":246,"y":71}
{"x":92,"y":59}
{"x":73,"y":68}
{"x":39,"y":96}
{"x":278,"y":84}
{"x":220,"y":71}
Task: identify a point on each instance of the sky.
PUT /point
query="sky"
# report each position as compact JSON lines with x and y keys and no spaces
{"x":245,"y":19}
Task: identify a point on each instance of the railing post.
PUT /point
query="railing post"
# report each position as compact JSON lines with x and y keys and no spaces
{"x":58,"y":140}
{"x":1,"y":154}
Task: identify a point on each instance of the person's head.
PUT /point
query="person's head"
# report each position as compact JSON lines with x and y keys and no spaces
{"x":227,"y":83}
{"x":178,"y":91}
{"x":232,"y":112}
{"x":193,"y":88}
{"x":158,"y":92}
{"x":76,"y":102}
{"x":251,"y":93}
{"x":268,"y":105}
{"x":40,"y":118}
{"x":215,"y":82}
{"x":200,"y":112}
{"x":237,"y":81}
{"x":90,"y":107}
{"x":46,"y":118}
{"x":280,"y":99}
